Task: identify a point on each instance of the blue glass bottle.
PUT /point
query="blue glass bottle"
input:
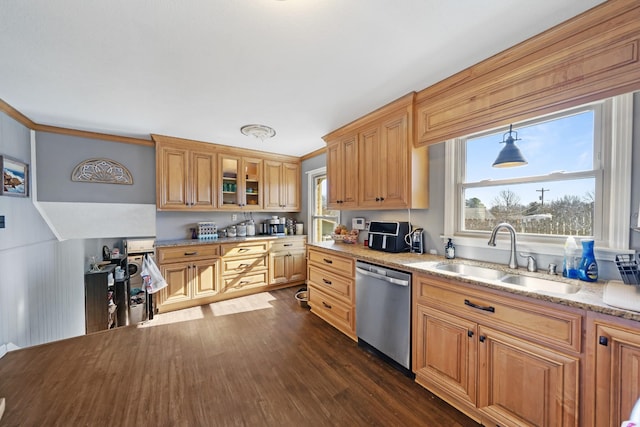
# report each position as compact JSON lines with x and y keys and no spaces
{"x":588,"y":270}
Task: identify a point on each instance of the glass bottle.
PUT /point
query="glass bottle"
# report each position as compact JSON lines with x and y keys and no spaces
{"x":588,"y":269}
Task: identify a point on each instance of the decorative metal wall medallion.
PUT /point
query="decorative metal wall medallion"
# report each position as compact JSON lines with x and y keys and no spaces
{"x":101,"y":170}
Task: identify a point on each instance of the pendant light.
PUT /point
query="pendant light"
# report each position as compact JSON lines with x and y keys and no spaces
{"x":510,"y":156}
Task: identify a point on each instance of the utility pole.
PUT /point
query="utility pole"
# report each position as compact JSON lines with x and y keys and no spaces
{"x":541,"y":197}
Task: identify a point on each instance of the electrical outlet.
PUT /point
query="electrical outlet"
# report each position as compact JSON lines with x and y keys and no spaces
{"x":234,"y":217}
{"x":2,"y":221}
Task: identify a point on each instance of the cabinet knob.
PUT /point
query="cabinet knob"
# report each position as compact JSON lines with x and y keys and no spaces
{"x":326,"y":305}
{"x":482,"y":338}
{"x":328,"y":282}
{"x":470,"y":333}
{"x":603,"y":341}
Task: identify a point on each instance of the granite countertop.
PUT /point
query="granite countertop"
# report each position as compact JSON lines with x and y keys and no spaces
{"x":189,"y":242}
{"x":589,"y":297}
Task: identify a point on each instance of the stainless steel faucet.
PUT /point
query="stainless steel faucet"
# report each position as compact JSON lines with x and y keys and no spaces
{"x":513,"y":263}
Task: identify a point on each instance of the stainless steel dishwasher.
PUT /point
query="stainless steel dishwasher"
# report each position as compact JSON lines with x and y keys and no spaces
{"x":383,"y":313}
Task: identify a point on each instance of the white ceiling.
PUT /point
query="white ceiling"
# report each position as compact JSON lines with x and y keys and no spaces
{"x":201,"y":69}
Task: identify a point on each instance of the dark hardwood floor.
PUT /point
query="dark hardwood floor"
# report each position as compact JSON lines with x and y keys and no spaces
{"x":257,"y":361}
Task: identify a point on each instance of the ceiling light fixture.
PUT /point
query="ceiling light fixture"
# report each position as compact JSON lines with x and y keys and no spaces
{"x":510,"y":156}
{"x":261,"y":132}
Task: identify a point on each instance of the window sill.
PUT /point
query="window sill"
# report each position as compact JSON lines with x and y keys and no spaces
{"x":529,"y":245}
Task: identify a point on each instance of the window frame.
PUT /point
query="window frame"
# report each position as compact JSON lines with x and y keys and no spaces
{"x":312,"y":176}
{"x":612,"y":166}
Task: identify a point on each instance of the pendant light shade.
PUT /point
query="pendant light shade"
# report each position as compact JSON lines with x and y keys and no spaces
{"x":510,"y":156}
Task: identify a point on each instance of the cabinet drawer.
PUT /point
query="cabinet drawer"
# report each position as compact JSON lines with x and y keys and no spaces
{"x":287,"y":245}
{"x":187,"y":253}
{"x":338,"y":314}
{"x":244,"y":248}
{"x":244,"y":281}
{"x":332,"y":284}
{"x":335,"y":263}
{"x":530,"y":319}
{"x":240,"y":265}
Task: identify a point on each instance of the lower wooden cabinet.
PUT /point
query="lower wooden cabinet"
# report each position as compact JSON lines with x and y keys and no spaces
{"x":613,"y":369}
{"x":331,"y":287}
{"x":287,"y":261}
{"x":189,"y":283}
{"x":477,"y":357}
{"x":199,"y":274}
{"x":244,"y":265}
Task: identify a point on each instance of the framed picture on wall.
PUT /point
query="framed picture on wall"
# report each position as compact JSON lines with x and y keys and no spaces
{"x":15,"y":177}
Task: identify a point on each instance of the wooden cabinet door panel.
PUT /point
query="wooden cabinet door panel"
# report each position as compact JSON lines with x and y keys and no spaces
{"x":349,"y":167}
{"x":369,"y":177}
{"x":394,"y":167}
{"x":278,"y":268}
{"x":177,"y":277}
{"x":172,"y":178}
{"x":297,"y":266}
{"x":205,"y":278}
{"x":617,"y":372}
{"x":334,"y":175}
{"x":445,"y":353}
{"x":522,"y":384}
{"x":290,"y":187}
{"x":273,"y":185}
{"x":203,"y":168}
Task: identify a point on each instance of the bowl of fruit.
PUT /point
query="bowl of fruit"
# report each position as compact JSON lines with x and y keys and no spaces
{"x":342,"y":234}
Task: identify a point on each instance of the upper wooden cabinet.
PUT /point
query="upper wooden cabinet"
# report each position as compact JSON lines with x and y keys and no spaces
{"x":342,"y":172}
{"x":282,"y":186}
{"x":372,"y":163}
{"x":192,"y":175}
{"x":185,"y":178}
{"x":588,"y":58}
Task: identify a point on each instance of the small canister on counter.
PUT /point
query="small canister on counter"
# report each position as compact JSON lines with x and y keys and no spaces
{"x":231,"y":231}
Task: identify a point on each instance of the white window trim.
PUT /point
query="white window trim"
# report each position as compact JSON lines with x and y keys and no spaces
{"x":311,"y":177}
{"x":616,"y":218}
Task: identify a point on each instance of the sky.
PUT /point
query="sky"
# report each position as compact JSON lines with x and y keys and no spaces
{"x":560,"y":145}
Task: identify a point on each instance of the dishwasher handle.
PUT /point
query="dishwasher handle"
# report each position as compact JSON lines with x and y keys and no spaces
{"x":393,"y":280}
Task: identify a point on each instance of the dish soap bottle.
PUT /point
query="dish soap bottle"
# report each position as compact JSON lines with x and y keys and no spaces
{"x":588,"y":270}
{"x":450,"y":250}
{"x":569,"y":264}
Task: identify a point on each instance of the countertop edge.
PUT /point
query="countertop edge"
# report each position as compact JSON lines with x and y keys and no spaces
{"x":589,"y":298}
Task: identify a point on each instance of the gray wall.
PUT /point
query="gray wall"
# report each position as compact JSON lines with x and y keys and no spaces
{"x":59,"y":154}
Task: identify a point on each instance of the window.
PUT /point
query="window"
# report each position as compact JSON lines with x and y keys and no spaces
{"x":577,"y":169}
{"x":322,"y":220}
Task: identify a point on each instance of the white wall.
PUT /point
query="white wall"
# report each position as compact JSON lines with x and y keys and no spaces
{"x":41,"y":279}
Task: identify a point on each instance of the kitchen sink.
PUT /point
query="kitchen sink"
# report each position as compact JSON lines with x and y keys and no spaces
{"x":538,"y":284}
{"x":473,"y":271}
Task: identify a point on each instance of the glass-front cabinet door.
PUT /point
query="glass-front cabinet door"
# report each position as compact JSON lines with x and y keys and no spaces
{"x":241,"y":182}
{"x":252,"y":169}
